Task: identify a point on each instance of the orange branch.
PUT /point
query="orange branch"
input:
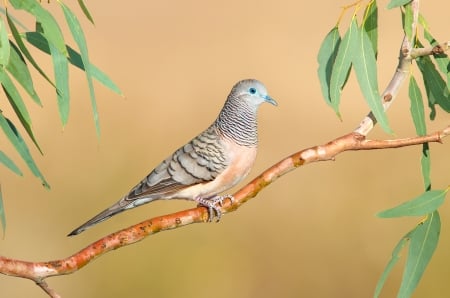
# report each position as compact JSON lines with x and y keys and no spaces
{"x":38,"y":271}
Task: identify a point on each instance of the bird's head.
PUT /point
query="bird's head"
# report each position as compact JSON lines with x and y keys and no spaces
{"x":252,"y":91}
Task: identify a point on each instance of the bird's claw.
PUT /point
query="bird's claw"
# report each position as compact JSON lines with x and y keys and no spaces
{"x":214,"y":210}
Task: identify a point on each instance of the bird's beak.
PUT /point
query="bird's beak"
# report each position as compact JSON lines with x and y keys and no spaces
{"x":270,"y":100}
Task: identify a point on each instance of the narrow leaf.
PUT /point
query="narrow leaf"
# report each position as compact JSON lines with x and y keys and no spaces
{"x":326,"y":58}
{"x":425,"y":163}
{"x":416,"y":107}
{"x":24,"y":49}
{"x":442,"y":60}
{"x":15,"y":98}
{"x":4,"y":45}
{"x":397,"y":3}
{"x":5,"y":160}
{"x":37,"y":40}
{"x":370,"y":24}
{"x":2,"y":213}
{"x":86,"y":11}
{"x":421,"y":248}
{"x":423,"y":22}
{"x":78,"y":35}
{"x":365,"y":66}
{"x":13,"y":19}
{"x":435,"y":86}
{"x":16,"y":139}
{"x":19,"y":70}
{"x":418,"y":115}
{"x":52,"y":31}
{"x":16,"y":101}
{"x":426,"y":203}
{"x":61,"y":70}
{"x":408,"y":21}
{"x":342,"y":65}
{"x":390,"y":265}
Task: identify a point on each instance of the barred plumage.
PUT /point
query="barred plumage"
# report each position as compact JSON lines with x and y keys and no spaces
{"x":214,"y":161}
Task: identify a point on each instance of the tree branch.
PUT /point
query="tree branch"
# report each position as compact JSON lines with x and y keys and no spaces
{"x":356,"y":140}
{"x":400,"y":75}
{"x":38,"y":271}
{"x":432,"y":50}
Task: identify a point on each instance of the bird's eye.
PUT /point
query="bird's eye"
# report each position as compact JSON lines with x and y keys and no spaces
{"x":252,"y":90}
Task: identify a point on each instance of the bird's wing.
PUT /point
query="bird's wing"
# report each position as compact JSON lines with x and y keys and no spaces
{"x":199,"y":161}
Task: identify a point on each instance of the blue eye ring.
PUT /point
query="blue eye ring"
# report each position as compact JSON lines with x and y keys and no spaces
{"x":252,"y":90}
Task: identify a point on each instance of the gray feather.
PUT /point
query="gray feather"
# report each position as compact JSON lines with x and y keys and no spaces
{"x":203,"y":158}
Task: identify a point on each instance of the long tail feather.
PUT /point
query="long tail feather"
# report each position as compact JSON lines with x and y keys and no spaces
{"x":104,"y":215}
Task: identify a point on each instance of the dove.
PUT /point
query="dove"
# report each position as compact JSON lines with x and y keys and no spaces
{"x":211,"y":163}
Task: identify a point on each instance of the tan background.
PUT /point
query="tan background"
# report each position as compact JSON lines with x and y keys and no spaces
{"x":311,"y":234}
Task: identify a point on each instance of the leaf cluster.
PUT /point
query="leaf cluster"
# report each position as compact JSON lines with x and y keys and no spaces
{"x":357,"y":50}
{"x":16,"y":59}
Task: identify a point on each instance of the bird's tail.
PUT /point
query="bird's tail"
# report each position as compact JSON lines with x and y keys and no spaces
{"x":119,"y":207}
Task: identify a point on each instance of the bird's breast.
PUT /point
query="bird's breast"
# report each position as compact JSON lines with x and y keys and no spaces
{"x":240,"y":160}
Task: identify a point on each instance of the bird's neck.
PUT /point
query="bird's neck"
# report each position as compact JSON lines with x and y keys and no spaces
{"x":238,"y":121}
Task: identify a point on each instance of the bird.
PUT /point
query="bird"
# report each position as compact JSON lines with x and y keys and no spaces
{"x":211,"y":163}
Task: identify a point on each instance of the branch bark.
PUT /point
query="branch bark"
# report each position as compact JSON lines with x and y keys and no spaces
{"x":38,"y":271}
{"x":356,"y":140}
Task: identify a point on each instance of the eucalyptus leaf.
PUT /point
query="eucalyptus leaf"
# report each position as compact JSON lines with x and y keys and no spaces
{"x":365,"y":65}
{"x":326,"y":59}
{"x":6,"y":161}
{"x":78,"y":35}
{"x":342,"y":64}
{"x":424,"y":204}
{"x":397,"y":3}
{"x":422,"y":245}
{"x":17,"y":141}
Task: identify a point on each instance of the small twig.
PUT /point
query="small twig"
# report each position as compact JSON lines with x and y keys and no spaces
{"x":432,"y":50}
{"x":44,"y":286}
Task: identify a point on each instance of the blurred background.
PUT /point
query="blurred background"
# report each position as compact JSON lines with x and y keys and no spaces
{"x":313,"y":233}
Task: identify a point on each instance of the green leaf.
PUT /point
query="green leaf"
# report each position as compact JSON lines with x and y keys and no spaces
{"x":4,"y":45}
{"x":52,"y":31}
{"x":15,"y":99}
{"x":423,"y":243}
{"x":326,"y":58}
{"x":5,"y":160}
{"x":426,"y":203}
{"x":408,"y":21}
{"x":370,"y":24}
{"x":78,"y":35}
{"x":2,"y":213}
{"x":16,"y":139}
{"x":104,"y":79}
{"x":365,"y":66}
{"x":37,"y":40}
{"x":15,"y":20}
{"x":342,"y":65}
{"x":442,"y":60}
{"x":423,"y":22}
{"x":86,"y":11}
{"x":61,"y":70}
{"x":24,"y":49}
{"x":416,"y":107}
{"x":425,"y":163}
{"x":418,"y":115}
{"x":390,"y":265}
{"x":19,"y":70}
{"x":397,"y":3}
{"x":435,"y":86}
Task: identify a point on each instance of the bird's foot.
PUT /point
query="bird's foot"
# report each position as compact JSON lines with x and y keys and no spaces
{"x":213,"y":204}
